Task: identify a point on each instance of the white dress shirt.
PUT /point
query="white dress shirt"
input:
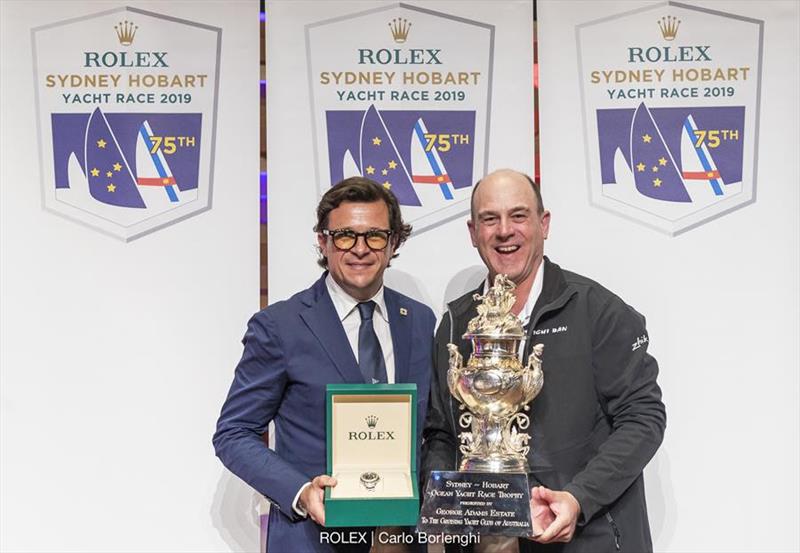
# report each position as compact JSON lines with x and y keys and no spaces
{"x":533,"y":296}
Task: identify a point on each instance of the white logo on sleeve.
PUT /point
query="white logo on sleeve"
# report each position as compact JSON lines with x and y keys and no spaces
{"x":640,"y":341}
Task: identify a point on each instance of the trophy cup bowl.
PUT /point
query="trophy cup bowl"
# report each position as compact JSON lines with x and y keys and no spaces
{"x":492,"y":386}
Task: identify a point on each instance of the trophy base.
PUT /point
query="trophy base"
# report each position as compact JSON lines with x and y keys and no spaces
{"x":482,"y":503}
{"x":494,"y":464}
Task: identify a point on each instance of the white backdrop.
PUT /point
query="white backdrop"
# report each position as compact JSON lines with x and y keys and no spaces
{"x":721,"y":301}
{"x":116,"y":356}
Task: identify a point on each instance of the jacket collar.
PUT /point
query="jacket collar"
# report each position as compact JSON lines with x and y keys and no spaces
{"x":553,"y":287}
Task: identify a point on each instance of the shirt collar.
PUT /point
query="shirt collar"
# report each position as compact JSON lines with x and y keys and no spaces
{"x":533,"y":295}
{"x":344,"y":303}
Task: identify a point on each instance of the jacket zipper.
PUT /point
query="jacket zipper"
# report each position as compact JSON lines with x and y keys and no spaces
{"x":614,"y":528}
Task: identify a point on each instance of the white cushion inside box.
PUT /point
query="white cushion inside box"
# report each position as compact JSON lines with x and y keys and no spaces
{"x":393,"y":483}
{"x":372,"y":433}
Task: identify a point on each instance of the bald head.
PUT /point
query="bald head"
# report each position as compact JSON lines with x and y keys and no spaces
{"x":502,"y":174}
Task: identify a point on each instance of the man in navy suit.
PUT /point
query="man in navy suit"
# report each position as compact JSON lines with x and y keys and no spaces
{"x":346,"y":328}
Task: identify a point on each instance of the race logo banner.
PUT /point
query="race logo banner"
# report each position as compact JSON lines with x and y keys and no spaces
{"x":671,"y":102}
{"x":397,"y":100}
{"x":126,"y":103}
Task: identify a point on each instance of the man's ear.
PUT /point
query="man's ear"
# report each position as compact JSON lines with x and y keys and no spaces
{"x":545,"y":222}
{"x":472,"y":231}
{"x":322,"y":243}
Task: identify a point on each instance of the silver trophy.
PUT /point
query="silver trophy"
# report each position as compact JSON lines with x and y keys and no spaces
{"x":494,"y":387}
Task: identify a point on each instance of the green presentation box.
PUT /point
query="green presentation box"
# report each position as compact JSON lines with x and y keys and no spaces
{"x":372,"y":432}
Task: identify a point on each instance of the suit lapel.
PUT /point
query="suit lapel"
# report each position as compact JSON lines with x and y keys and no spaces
{"x":324,"y":323}
{"x":400,"y":316}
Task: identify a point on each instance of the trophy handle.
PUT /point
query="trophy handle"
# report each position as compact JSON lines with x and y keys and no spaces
{"x":468,"y":446}
{"x":456,"y":364}
{"x":514,"y":441}
{"x":535,"y":376}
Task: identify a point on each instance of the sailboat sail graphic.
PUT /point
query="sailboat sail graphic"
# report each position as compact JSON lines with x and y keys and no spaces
{"x":349,"y":166}
{"x":380,"y":159}
{"x":151,"y":166}
{"x":154,"y":178}
{"x":696,"y":161}
{"x":430,"y":178}
{"x":655,"y":172}
{"x":622,"y":173}
{"x":110,"y":178}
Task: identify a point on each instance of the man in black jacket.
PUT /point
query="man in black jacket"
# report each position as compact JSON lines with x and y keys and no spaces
{"x":599,"y":418}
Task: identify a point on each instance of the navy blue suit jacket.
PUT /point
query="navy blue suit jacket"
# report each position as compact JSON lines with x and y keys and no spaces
{"x":292,"y":350}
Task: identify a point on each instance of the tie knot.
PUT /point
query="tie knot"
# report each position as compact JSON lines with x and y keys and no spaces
{"x":366,"y":309}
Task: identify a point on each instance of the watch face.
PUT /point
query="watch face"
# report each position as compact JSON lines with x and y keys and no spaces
{"x":369,"y":480}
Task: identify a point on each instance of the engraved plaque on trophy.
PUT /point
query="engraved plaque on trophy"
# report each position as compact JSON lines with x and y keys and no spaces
{"x":489,"y":494}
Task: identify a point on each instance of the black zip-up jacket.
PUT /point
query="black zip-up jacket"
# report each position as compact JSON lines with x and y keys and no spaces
{"x":598,"y":420}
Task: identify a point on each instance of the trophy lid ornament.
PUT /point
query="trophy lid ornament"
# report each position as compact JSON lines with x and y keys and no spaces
{"x":494,"y":312}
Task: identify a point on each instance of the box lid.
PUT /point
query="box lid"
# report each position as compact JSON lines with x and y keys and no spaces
{"x":371,"y":426}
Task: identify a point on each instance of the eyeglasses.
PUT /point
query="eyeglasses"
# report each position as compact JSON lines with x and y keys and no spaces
{"x":345,"y":239}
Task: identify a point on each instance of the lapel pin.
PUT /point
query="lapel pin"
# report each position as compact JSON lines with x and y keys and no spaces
{"x":403,"y":311}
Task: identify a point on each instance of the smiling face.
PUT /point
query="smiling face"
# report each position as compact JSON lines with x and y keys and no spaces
{"x":507,"y":228}
{"x":359,"y":271}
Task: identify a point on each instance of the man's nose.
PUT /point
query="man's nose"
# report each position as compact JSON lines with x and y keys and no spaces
{"x":505,"y":228}
{"x":360,"y":248}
